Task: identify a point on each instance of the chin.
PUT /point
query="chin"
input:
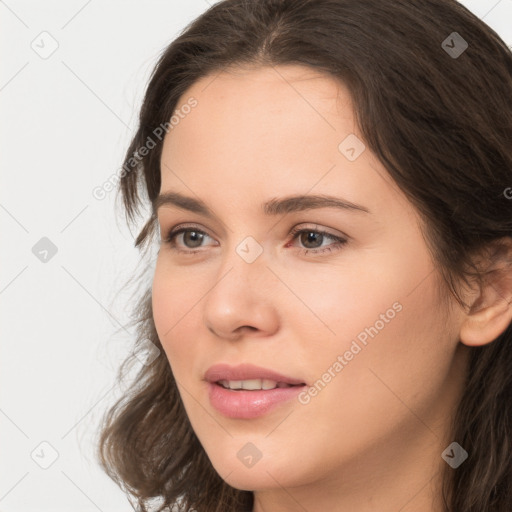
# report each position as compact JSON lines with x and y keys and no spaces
{"x":249,"y":479}
{"x":268,"y":472}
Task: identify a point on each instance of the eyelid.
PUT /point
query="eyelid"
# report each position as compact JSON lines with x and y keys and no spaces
{"x":179,"y":228}
{"x":318,"y":229}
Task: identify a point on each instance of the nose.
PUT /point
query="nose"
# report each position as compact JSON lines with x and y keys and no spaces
{"x":240,"y":302}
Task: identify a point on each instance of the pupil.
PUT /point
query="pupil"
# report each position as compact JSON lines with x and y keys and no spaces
{"x":311,"y":237}
{"x":197,"y":237}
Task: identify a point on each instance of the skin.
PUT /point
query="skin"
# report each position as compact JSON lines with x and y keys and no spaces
{"x":372,"y":438}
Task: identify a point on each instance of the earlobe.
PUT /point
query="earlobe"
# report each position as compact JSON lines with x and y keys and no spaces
{"x":486,"y":324}
{"x":491,"y":313}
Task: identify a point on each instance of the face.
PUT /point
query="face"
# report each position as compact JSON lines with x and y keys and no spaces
{"x":338,"y":298}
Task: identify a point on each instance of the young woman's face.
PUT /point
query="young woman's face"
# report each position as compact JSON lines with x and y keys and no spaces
{"x":341,"y":299}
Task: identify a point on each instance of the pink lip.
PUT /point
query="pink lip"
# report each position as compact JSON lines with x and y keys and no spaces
{"x":248,"y":404}
{"x":245,"y":372}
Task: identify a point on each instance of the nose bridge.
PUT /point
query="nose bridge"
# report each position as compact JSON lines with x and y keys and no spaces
{"x":239,"y":297}
{"x":243,"y":270}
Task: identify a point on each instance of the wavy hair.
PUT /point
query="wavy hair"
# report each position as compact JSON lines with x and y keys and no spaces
{"x":440,"y":123}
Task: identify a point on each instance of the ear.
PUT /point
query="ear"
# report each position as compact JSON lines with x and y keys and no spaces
{"x":491,"y":311}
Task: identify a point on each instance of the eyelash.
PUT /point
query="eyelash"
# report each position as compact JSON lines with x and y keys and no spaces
{"x":173,"y":233}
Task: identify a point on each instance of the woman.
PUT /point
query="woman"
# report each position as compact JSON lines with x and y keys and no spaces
{"x":332,"y":292}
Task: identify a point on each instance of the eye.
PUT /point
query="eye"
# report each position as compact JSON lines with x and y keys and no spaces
{"x":313,"y":240}
{"x":190,"y":237}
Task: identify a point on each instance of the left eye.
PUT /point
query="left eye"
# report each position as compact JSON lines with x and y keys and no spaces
{"x":314,"y":236}
{"x":312,"y":240}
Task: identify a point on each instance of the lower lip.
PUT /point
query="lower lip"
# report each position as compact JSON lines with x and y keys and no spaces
{"x":248,"y":404}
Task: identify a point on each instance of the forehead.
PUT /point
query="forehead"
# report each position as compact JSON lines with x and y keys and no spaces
{"x":268,"y":84}
{"x":260,"y":133}
{"x":266,"y":117}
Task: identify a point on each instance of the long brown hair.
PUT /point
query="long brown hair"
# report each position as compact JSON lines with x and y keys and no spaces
{"x":441,"y":124}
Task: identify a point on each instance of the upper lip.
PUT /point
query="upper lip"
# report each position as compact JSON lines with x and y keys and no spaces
{"x":246,"y":372}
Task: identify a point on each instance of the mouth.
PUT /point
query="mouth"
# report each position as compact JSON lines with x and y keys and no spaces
{"x":247,"y":391}
{"x":254,"y":384}
{"x":249,"y":377}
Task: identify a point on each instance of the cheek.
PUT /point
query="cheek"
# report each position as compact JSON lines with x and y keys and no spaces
{"x":396,"y":354}
{"x":164,"y":301}
{"x":333,"y":304}
{"x":174,"y":302}
{"x":382,"y":315}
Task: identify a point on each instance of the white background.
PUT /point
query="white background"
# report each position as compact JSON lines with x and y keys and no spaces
{"x":66,"y":124}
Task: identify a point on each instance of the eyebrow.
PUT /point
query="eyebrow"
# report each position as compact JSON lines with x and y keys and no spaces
{"x":285,"y":205}
{"x":289,"y":204}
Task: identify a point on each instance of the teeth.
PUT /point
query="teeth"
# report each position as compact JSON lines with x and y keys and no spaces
{"x":253,"y":384}
{"x":268,"y":384}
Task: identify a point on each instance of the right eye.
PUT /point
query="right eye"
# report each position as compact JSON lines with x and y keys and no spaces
{"x":191,"y":237}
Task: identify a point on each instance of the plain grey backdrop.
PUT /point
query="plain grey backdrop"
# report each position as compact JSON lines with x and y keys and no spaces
{"x":72,"y":77}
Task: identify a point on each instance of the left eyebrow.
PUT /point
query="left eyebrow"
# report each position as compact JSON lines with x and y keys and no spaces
{"x":274,"y":206}
{"x":299,"y":203}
